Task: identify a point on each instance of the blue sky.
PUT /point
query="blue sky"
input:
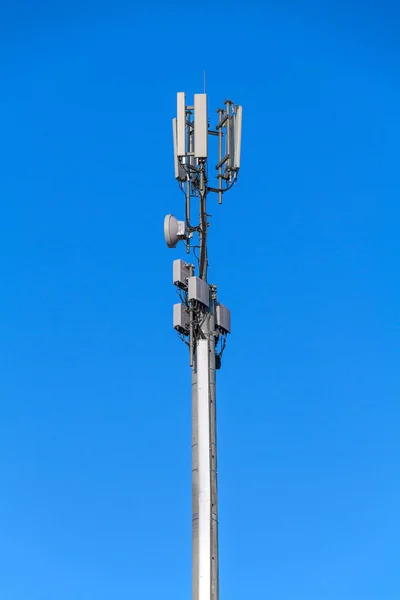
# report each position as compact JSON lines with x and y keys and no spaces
{"x":95,"y":437}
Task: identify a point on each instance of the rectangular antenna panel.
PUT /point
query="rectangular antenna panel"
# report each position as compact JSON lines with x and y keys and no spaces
{"x":180,"y":274}
{"x":199,"y":290}
{"x":181,"y":319}
{"x":238,"y":137}
{"x":179,"y":170}
{"x":200,"y":126}
{"x":223,"y":318}
{"x":181,"y":124}
{"x":231,"y":149}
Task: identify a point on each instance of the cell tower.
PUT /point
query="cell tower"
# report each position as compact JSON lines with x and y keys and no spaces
{"x":201,"y":321}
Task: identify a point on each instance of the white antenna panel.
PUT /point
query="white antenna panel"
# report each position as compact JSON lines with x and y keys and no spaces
{"x":181,"y":124}
{"x":200,"y":126}
{"x":179,"y":170}
{"x":176,"y":163}
{"x":231,"y":150}
{"x":237,"y":137}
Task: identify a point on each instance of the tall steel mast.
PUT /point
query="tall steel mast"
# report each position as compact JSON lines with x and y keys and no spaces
{"x":201,"y":321}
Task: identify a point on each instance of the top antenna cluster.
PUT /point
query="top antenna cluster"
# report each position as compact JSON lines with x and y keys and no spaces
{"x":191,"y":131}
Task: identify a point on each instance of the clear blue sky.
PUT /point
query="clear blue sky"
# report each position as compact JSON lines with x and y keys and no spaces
{"x":95,"y":498}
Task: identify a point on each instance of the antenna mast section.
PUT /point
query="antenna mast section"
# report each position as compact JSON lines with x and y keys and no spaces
{"x":201,"y":321}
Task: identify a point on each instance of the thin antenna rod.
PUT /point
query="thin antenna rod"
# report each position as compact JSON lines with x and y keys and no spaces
{"x":205,"y":81}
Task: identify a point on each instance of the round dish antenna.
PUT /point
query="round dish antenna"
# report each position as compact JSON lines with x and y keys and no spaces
{"x":174,"y":230}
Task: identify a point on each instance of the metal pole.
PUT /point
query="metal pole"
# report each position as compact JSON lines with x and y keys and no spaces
{"x":203,"y":224}
{"x":195,"y":484}
{"x":204,"y":464}
{"x":213,"y":457}
{"x":204,"y":453}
